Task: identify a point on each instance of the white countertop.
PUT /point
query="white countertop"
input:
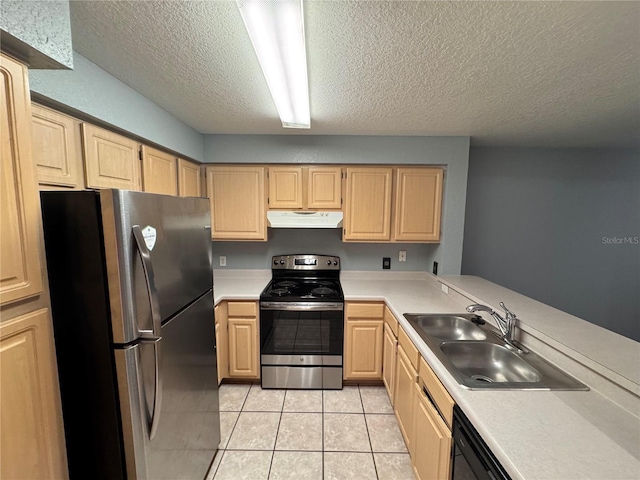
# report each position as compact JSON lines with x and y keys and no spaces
{"x":534,"y":434}
{"x":239,"y":284}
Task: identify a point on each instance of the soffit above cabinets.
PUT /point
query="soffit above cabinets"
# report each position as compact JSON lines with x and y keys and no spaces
{"x":505,"y":73}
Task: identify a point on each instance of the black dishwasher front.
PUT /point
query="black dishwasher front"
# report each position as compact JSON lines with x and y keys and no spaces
{"x":472,"y":459}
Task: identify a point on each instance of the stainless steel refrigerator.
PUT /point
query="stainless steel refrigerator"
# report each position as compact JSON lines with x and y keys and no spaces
{"x":130,"y":276}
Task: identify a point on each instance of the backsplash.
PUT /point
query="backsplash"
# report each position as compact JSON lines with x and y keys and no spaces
{"x":354,"y":256}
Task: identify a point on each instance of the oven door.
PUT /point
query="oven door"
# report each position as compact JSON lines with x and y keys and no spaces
{"x":301,"y":329}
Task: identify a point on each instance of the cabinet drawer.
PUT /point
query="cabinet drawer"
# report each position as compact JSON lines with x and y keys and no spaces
{"x":365,"y":310}
{"x":438,"y":392}
{"x":391,"y":320}
{"x":241,"y":309}
{"x":409,"y":348}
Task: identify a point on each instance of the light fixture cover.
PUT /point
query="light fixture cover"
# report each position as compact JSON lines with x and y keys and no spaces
{"x":276,"y":29}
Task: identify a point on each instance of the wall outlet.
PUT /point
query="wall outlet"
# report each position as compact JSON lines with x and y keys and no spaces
{"x":223,"y":261}
{"x":402,"y":256}
{"x":435,"y":268}
{"x":386,"y":263}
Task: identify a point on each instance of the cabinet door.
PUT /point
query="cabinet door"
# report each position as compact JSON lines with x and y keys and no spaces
{"x":237,"y":196}
{"x":110,"y":160}
{"x":389,"y":352}
{"x":432,"y":439}
{"x":56,"y":148}
{"x":285,"y":187}
{"x":243,"y":347}
{"x":363,"y":351}
{"x":222,"y":341}
{"x":189,"y":184}
{"x":418,"y":204}
{"x":31,"y":432}
{"x":441,"y":398}
{"x":324,"y":188}
{"x":368,"y":204}
{"x":405,"y":381}
{"x":159,"y":171}
{"x":19,"y":205}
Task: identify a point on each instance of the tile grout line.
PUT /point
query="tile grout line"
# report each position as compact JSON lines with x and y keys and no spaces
{"x":366,"y":425}
{"x":322,"y":408}
{"x":275,"y":441}
{"x":224,"y":450}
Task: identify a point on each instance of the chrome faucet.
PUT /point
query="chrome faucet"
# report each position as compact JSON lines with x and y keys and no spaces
{"x":506,"y":325}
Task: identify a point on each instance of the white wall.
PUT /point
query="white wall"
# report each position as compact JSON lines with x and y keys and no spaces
{"x":452,"y":152}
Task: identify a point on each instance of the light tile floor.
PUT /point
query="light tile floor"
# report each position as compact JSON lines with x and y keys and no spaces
{"x":309,"y":434}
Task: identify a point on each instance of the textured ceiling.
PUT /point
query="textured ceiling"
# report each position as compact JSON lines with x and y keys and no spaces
{"x":505,"y":73}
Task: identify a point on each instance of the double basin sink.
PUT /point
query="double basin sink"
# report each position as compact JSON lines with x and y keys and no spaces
{"x":477,"y":358}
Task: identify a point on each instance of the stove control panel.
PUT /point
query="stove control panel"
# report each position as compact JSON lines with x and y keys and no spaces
{"x":305,"y":262}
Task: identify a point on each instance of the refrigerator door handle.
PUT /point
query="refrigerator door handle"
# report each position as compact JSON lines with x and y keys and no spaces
{"x":157,"y":398}
{"x":147,"y":267}
{"x":151,"y":336}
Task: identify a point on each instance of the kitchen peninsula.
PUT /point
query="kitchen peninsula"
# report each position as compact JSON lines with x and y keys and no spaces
{"x":534,"y":434}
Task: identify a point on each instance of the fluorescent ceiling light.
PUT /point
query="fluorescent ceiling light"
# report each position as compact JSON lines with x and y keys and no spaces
{"x":276,"y":28}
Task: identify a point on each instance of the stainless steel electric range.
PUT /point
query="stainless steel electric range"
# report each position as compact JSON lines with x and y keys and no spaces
{"x":302,"y":323}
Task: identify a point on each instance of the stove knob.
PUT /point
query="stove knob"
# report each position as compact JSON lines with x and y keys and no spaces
{"x":281,"y":262}
{"x":328,"y":262}
{"x":275,"y":262}
{"x":335,"y":262}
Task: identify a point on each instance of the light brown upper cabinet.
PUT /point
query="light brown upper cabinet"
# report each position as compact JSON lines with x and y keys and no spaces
{"x":324,"y":188}
{"x":159,"y":171}
{"x":238,"y":202}
{"x":189,"y":184}
{"x":285,"y":187}
{"x":367,"y":214}
{"x":305,"y":187}
{"x":418,"y":204}
{"x":20,"y":205}
{"x":56,"y":148}
{"x":111,"y":160}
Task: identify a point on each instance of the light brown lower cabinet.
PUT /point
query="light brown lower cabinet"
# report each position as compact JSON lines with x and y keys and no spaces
{"x":405,"y":381}
{"x":431,"y":442}
{"x":363,"y":341}
{"x":31,"y":431}
{"x":389,"y":353}
{"x":243,"y":335}
{"x":222,"y":341}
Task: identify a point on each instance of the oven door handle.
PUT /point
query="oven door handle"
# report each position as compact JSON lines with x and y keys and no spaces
{"x":302,"y":306}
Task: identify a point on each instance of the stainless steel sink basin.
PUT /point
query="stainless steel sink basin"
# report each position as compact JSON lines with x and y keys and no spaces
{"x":475,"y":355}
{"x":449,"y":327}
{"x":488,"y":362}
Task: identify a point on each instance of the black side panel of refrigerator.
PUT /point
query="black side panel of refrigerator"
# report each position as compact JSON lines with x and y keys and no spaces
{"x":80,"y":309}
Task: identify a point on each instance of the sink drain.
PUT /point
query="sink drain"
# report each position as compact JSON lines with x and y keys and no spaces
{"x":482,"y":378}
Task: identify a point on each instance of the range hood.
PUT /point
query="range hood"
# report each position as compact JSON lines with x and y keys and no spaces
{"x":304,"y":219}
